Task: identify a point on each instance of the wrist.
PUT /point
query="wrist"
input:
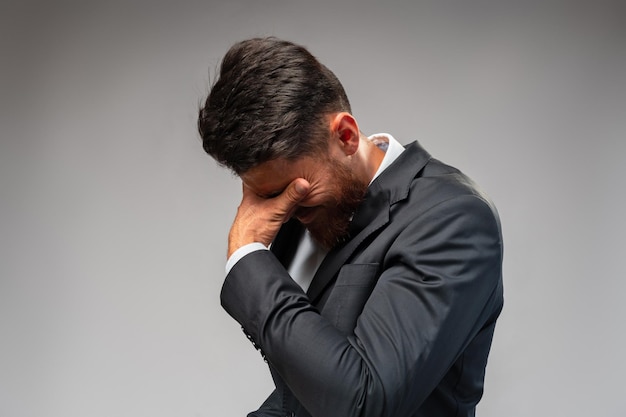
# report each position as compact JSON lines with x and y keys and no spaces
{"x":241,"y":252}
{"x":238,"y":238}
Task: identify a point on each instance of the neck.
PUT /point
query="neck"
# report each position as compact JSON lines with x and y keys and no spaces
{"x":369,"y":156}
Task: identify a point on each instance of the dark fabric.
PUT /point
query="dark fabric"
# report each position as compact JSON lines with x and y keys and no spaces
{"x":398,"y":321}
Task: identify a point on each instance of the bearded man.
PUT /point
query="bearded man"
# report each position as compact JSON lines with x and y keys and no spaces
{"x":367,"y":273}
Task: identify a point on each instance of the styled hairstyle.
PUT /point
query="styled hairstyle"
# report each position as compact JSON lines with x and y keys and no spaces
{"x":270,"y":101}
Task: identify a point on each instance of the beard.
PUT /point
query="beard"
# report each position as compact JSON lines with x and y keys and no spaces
{"x":331,"y":225}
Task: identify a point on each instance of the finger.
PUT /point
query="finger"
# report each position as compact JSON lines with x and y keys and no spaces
{"x":296,"y":191}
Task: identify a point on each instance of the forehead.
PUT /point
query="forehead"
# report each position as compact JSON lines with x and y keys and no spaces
{"x":272,"y":177}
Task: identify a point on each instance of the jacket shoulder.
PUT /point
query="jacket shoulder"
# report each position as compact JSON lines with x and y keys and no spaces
{"x":439,"y":182}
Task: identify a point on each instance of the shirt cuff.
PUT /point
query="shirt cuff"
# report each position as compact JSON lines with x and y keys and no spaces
{"x":241,"y":252}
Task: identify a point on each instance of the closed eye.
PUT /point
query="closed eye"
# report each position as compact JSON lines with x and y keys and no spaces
{"x":272,"y":195}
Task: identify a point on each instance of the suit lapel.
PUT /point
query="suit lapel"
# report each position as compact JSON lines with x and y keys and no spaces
{"x":373,"y":216}
{"x":390,"y":187}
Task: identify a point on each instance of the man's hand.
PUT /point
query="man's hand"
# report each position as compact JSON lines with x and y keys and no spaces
{"x":258,"y":219}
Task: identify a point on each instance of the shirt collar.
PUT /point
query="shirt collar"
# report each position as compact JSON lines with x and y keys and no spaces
{"x":392,"y":149}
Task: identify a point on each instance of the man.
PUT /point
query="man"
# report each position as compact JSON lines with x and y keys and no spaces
{"x":382,"y":284}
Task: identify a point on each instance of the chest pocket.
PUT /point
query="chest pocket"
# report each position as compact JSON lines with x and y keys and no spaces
{"x":353,"y":287}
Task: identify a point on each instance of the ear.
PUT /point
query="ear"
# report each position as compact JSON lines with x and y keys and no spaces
{"x":345,"y":130}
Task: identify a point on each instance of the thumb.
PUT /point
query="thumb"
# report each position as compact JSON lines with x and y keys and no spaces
{"x":296,"y":191}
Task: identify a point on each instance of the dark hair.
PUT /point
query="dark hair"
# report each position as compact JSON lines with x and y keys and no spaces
{"x":270,"y":101}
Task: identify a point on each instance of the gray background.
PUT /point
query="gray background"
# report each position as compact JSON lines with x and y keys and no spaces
{"x":113,"y":222}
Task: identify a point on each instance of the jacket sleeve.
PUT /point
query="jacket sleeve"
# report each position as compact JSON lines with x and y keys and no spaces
{"x":436,"y":290}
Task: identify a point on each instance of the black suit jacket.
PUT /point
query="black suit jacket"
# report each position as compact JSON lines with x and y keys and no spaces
{"x":398,"y":321}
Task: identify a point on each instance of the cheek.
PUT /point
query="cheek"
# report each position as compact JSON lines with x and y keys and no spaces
{"x":320,"y":197}
{"x":325,"y":189}
{"x":311,"y":201}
